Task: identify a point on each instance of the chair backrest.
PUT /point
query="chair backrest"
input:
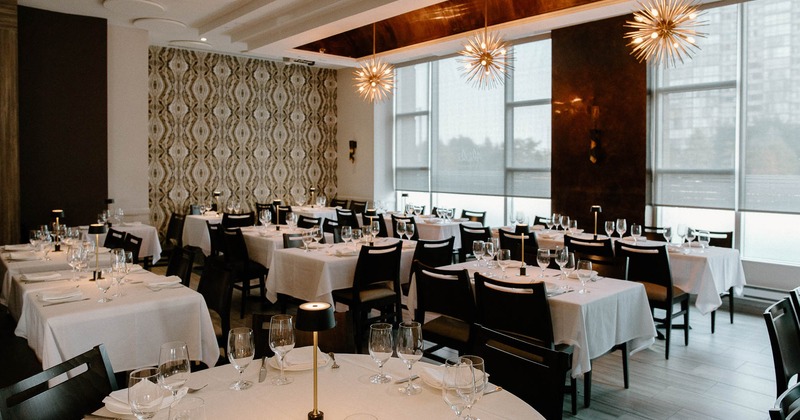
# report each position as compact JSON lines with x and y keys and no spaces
{"x":293,"y":240}
{"x":654,"y":233}
{"x":513,"y":242}
{"x":174,"y":234}
{"x":605,"y":266}
{"x":338,"y":202}
{"x":114,"y":239}
{"x":230,"y":220}
{"x":332,"y":227}
{"x":435,"y":253}
{"x":279,"y":214}
{"x":180,"y":264}
{"x":339,"y":339}
{"x":648,"y":264}
{"x":525,"y":310}
{"x":787,"y":405}
{"x":259,"y":208}
{"x":407,"y":219}
{"x":721,"y":239}
{"x":445,"y":292}
{"x":216,"y":286}
{"x":369,"y":215}
{"x":347,"y":217}
{"x":377,"y":264}
{"x":520,"y":229}
{"x":531,"y":371}
{"x":90,"y":380}
{"x":599,"y":247}
{"x":306,"y":222}
{"x":784,"y":337}
{"x":470,"y":234}
{"x":541,"y":221}
{"x":235,"y":248}
{"x":474,"y":216}
{"x":215,"y":239}
{"x":358,"y":206}
{"x":133,"y":244}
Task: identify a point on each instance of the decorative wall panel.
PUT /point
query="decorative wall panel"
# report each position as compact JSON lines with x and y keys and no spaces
{"x":254,"y":130}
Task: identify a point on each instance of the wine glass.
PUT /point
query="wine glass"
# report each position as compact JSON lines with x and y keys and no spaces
{"x":74,"y":260}
{"x":564,"y":222}
{"x":119,"y":214}
{"x":318,"y":235}
{"x":34,"y":238}
{"x":173,"y":367}
{"x":636,"y":232}
{"x":668,"y":234}
{"x":144,"y":393}
{"x":562,"y":256}
{"x":584,"y":274}
{"x":241,"y":350}
{"x":358,"y":234}
{"x":543,"y":259}
{"x":265,"y":217}
{"x":103,"y":282}
{"x":347,"y":234}
{"x":573,"y":226}
{"x":556,"y":218}
{"x":622,"y":226}
{"x":118,"y":269}
{"x":549,"y":224}
{"x":376,"y":228}
{"x":570,"y":265}
{"x":281,"y":341}
{"x":308,"y":237}
{"x":703,"y":237}
{"x":47,"y":245}
{"x":458,"y":384}
{"x":609,"y":226}
{"x":409,"y":350}
{"x":681,"y":232}
{"x":478,"y":249}
{"x":481,"y":380}
{"x":489,"y":250}
{"x":401,"y":228}
{"x":380,"y":349}
{"x":409,"y":230}
{"x":690,"y":235}
{"x":291,"y":220}
{"x":237,"y":207}
{"x":503,"y":260}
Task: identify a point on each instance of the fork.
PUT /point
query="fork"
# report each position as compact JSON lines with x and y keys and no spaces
{"x":193,"y":390}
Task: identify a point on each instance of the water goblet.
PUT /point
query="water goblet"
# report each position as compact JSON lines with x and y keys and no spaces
{"x":318,"y":235}
{"x":564,"y":222}
{"x":481,"y":381}
{"x":281,"y":341}
{"x":376,"y":228}
{"x":503,"y":260}
{"x":556,"y":218}
{"x":609,"y":226}
{"x":237,"y":208}
{"x":358,"y":234}
{"x":241,"y":349}
{"x":291,"y":220}
{"x":703,"y":237}
{"x":74,"y":260}
{"x":347,"y":234}
{"x":542,"y":259}
{"x":308,"y":238}
{"x":265,"y":217}
{"x":401,"y":228}
{"x":409,"y":230}
{"x":458,"y":384}
{"x":562,"y":256}
{"x":188,"y":408}
{"x":144,"y":393}
{"x":570,"y":265}
{"x":380,"y":349}
{"x":636,"y":232}
{"x":690,"y":235}
{"x":489,"y":252}
{"x":668,"y":234}
{"x":622,"y":226}
{"x":409,"y":349}
{"x":34,"y":238}
{"x":173,"y":367}
{"x":478,"y":249}
{"x":584,"y":274}
{"x":573,"y":226}
{"x":681,"y":232}
{"x":549,"y":224}
{"x":103,"y":282}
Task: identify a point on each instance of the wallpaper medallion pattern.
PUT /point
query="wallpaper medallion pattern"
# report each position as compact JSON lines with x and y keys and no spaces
{"x":254,"y":130}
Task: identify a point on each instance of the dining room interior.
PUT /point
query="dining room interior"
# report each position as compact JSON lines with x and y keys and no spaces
{"x":128,"y":113}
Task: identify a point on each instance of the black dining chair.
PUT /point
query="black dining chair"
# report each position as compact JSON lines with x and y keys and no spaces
{"x":474,"y":216}
{"x":245,"y":270}
{"x":407,"y":219}
{"x":332,"y":227}
{"x":114,"y":239}
{"x":722,"y":240}
{"x":346,"y":217}
{"x":470,"y":234}
{"x":279,"y":213}
{"x":216,"y":287}
{"x":376,"y":285}
{"x":369,"y":215}
{"x":783,"y":329}
{"x":174,"y":237}
{"x":307,"y":222}
{"x":133,"y":244}
{"x":180,"y":264}
{"x":230,"y":220}
{"x":787,"y":405}
{"x":216,"y":243}
{"x":654,"y":233}
{"x":358,"y":207}
{"x":338,"y":202}
{"x":513,"y":242}
{"x":540,"y":221}
{"x":598,"y":247}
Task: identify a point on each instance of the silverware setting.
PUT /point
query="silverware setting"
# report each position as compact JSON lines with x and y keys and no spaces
{"x":193,"y":390}
{"x":262,"y":374}
{"x":492,"y":391}
{"x":66,"y":301}
{"x":406,"y":379}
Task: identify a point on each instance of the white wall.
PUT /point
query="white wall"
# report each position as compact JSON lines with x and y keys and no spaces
{"x":128,"y":121}
{"x":354,"y":122}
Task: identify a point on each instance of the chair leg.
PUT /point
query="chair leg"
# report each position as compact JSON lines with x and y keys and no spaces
{"x":668,"y":333}
{"x":573,"y":388}
{"x":587,"y":390}
{"x":685,"y":308}
{"x":357,"y":329}
{"x":245,"y":294}
{"x":713,"y":320}
{"x":730,"y":302}
{"x":624,"y":348}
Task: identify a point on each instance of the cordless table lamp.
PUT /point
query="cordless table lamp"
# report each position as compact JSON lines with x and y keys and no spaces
{"x":315,"y":317}
{"x":58,"y":214}
{"x":596,"y":210}
{"x":97,"y":229}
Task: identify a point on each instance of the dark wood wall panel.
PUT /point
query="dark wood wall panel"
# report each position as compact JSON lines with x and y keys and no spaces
{"x":592,"y":68}
{"x":63,"y":116}
{"x":9,"y":128}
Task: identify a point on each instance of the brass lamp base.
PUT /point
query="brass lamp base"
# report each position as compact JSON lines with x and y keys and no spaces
{"x":315,"y":415}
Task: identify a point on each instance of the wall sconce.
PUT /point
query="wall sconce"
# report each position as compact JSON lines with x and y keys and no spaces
{"x":595,"y":147}
{"x":353,"y":146}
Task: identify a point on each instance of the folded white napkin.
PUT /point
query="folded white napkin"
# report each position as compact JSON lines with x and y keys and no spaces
{"x":131,"y":223}
{"x":23,"y":256}
{"x":547,"y":235}
{"x":47,"y":275}
{"x":346,"y":251}
{"x":62,"y":293}
{"x":301,"y":359}
{"x":18,"y":247}
{"x":117,"y":401}
{"x":211,"y":214}
{"x":169,"y":281}
{"x":431,"y":374}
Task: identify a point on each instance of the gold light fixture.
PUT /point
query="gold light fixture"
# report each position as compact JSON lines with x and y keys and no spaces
{"x":664,"y":31}
{"x":374,"y":78}
{"x":486,"y":57}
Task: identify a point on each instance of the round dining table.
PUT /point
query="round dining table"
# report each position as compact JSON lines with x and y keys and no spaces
{"x":344,"y":392}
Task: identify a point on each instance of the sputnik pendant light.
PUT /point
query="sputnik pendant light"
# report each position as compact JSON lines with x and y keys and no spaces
{"x":374,"y":78}
{"x":664,"y":31}
{"x":486,"y":58}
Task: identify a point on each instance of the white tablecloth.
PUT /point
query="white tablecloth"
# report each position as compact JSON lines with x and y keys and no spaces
{"x":132,"y":327}
{"x":434,"y":229}
{"x":260,"y":247}
{"x":312,"y":276}
{"x":614,"y":312}
{"x":151,"y":247}
{"x":321,"y":212}
{"x":342,"y":393}
{"x":195,"y":232}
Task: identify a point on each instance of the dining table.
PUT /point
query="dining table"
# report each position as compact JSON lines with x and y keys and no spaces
{"x":612,"y":313}
{"x":314,"y":274}
{"x":705,"y":273}
{"x":62,"y":318}
{"x":434,"y":228}
{"x":151,"y":246}
{"x":343,"y":393}
{"x":195,"y":232}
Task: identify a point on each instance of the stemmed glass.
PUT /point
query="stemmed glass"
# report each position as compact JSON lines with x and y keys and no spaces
{"x":74,"y":260}
{"x":478,"y":249}
{"x":481,"y":380}
{"x":144,"y":393}
{"x":357,"y":235}
{"x":46,"y":244}
{"x":308,"y":237}
{"x":265,"y":216}
{"x":401,"y":228}
{"x":35,"y":238}
{"x":458,"y":384}
{"x":409,"y":350}
{"x":489,"y":250}
{"x":409,"y":231}
{"x":291,"y":220}
{"x":549,"y":224}
{"x":318,"y":235}
{"x":380,"y":349}
{"x":609,"y":226}
{"x":570,"y":265}
{"x":118,"y":269}
{"x":636,"y":232}
{"x":376,"y":229}
{"x":703,"y":237}
{"x":681,"y":232}
{"x":103,"y":282}
{"x":241,"y":349}
{"x":668,"y":234}
{"x":584,"y":274}
{"x":564,"y":222}
{"x":622,"y":226}
{"x":347,"y":234}
{"x":556,"y":219}
{"x":562,"y":256}
{"x":281,"y":341}
{"x":503,"y":260}
{"x":543,"y":259}
{"x":173,"y":367}
{"x":690,"y":235}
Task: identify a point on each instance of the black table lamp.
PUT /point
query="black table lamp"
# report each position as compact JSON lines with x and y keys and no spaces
{"x":57,"y":214}
{"x":97,"y":229}
{"x":596,"y":210}
{"x":315,"y":317}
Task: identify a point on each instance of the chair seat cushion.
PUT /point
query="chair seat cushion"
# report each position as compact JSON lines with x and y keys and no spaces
{"x":658,"y":293}
{"x":376,"y":291}
{"x":445,"y":326}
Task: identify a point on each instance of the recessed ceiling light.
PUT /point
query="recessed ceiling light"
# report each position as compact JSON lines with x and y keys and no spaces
{"x":134,"y":7}
{"x":159,"y":25}
{"x":204,"y":39}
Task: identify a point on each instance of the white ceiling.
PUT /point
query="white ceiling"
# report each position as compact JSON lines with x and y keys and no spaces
{"x":272,"y":29}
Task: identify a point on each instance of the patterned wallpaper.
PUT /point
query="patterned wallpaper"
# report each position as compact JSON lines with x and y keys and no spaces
{"x":255,"y":130}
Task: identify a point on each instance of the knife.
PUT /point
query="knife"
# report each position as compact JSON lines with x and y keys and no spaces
{"x":262,"y":374}
{"x":406,"y":379}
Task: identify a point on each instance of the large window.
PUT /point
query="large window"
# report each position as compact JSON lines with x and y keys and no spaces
{"x":464,"y":147}
{"x":726,"y":153}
